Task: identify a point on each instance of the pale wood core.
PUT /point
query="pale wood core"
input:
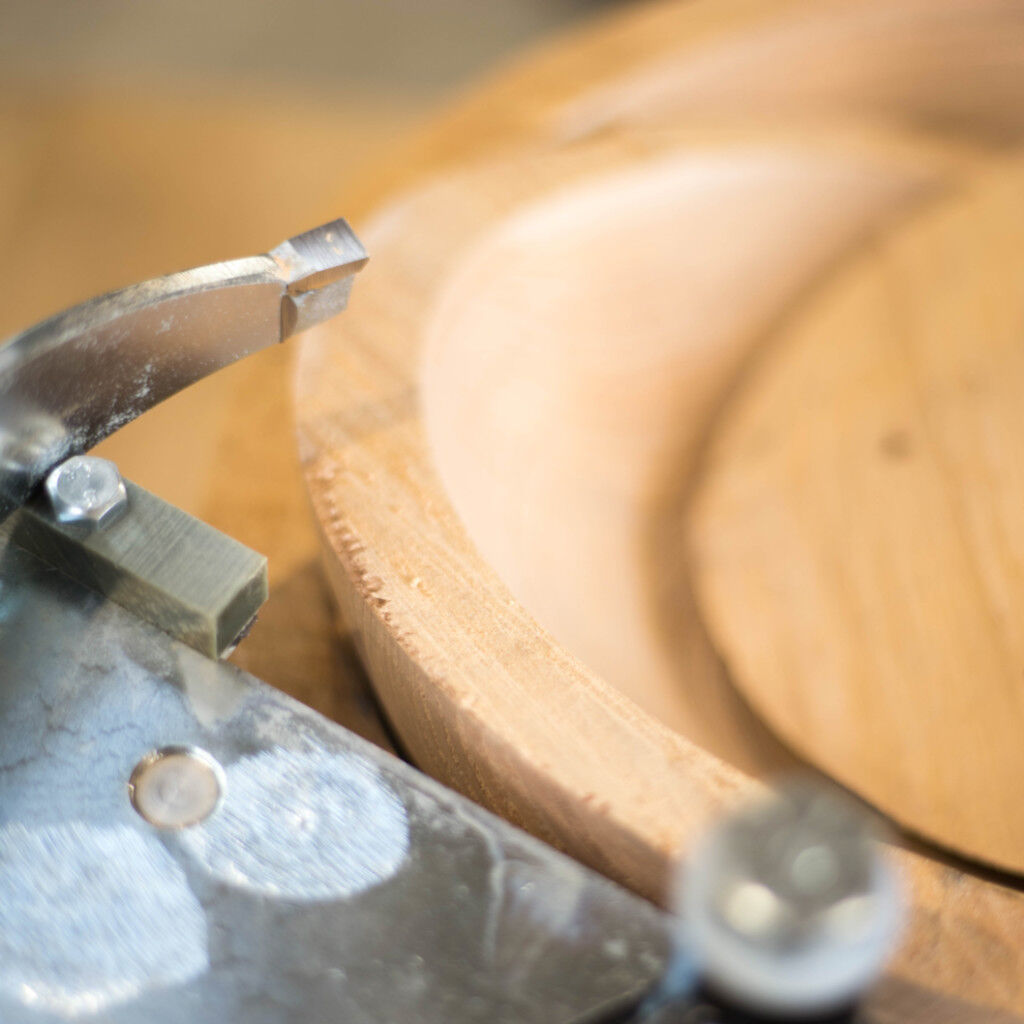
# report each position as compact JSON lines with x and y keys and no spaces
{"x":858,"y":538}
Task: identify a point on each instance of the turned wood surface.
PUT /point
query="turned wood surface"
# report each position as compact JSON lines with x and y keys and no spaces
{"x":496,"y":436}
{"x":857,"y":538}
{"x":578,"y":350}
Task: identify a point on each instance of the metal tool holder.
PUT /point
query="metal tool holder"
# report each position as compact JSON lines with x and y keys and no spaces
{"x":181,"y":842}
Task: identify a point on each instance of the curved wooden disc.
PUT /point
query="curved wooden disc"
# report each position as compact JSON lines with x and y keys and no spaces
{"x":577,"y":351}
{"x":859,"y":534}
{"x":481,"y":694}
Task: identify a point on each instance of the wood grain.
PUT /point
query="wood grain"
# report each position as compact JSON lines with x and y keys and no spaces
{"x":482,"y":697}
{"x":857,"y":537}
{"x":611,"y":324}
{"x":395,"y":428}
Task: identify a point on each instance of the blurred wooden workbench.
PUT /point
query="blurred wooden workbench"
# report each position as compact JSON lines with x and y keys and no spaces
{"x":104,"y":187}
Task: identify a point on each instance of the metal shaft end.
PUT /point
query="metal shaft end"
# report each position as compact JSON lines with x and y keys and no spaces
{"x":789,"y":907}
{"x":317,"y":268}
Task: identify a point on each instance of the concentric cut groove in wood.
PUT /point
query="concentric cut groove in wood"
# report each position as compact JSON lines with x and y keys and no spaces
{"x":484,"y":698}
{"x":572,"y":361}
{"x":858,"y":536}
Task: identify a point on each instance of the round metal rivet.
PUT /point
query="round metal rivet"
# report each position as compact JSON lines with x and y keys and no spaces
{"x":175,"y":787}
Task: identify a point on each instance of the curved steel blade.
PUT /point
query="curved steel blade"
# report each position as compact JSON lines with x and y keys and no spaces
{"x":70,"y":381}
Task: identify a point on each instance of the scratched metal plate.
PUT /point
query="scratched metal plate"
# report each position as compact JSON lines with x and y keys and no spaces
{"x":332,"y":883}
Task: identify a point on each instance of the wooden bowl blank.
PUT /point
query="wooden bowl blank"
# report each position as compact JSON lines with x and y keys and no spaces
{"x":497,"y":434}
{"x":858,"y":536}
{"x":482,"y":696}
